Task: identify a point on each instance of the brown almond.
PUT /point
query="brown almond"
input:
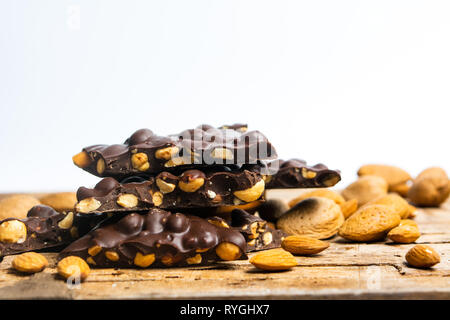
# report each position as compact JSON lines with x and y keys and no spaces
{"x":273,"y":260}
{"x":366,"y":189}
{"x":430,"y":188}
{"x":408,"y":222}
{"x":395,"y":202}
{"x":404,"y":234}
{"x":422,"y":256}
{"x":323,"y":193}
{"x":73,"y":266}
{"x":303,"y":245}
{"x":17,"y":206}
{"x":349,"y":207}
{"x":30,"y":262}
{"x":401,"y":189}
{"x":393,"y":175}
{"x":60,"y":201}
{"x":315,"y":217}
{"x":370,"y":223}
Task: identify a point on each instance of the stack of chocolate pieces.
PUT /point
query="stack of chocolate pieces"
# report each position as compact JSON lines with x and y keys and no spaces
{"x":175,"y":200}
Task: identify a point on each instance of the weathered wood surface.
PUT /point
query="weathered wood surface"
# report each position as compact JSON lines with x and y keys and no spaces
{"x":344,"y":271}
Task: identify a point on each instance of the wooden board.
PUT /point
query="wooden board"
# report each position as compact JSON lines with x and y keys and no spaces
{"x":344,"y":271}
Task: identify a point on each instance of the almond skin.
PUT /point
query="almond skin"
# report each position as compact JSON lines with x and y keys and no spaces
{"x":404,"y":234}
{"x":366,"y":189}
{"x":302,"y":245}
{"x":315,"y":217}
{"x":61,"y":201}
{"x":323,"y":193}
{"x":370,"y":223}
{"x":17,"y":206}
{"x":422,"y":256}
{"x":30,"y":262}
{"x":393,"y":175}
{"x":396,"y":203}
{"x":349,"y":207}
{"x":273,"y":260}
{"x":430,"y":188}
{"x":73,"y":266}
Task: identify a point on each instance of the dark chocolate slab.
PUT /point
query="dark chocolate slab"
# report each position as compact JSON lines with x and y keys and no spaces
{"x":191,"y":189}
{"x":257,"y":233}
{"x":147,"y":153}
{"x":295,"y":173}
{"x":42,"y":228}
{"x":158,"y":239}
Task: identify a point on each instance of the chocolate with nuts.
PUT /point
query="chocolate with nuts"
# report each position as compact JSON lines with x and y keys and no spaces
{"x":257,"y":233}
{"x":147,"y":153}
{"x":191,"y":189}
{"x":158,"y":239}
{"x":295,"y":173}
{"x":42,"y":228}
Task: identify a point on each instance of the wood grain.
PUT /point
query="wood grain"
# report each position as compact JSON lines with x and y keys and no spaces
{"x":343,"y":271}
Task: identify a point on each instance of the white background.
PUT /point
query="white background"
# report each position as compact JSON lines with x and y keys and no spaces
{"x":339,"y":82}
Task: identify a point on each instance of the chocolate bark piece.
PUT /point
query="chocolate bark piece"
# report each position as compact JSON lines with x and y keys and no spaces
{"x":257,"y":233}
{"x":147,"y":153}
{"x":190,"y":189}
{"x":295,"y":173}
{"x":42,"y":228}
{"x":158,"y":239}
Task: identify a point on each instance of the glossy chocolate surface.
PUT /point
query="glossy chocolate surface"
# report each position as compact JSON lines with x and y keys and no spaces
{"x":202,"y":146}
{"x":190,"y":189}
{"x":173,"y":238}
{"x":295,"y":173}
{"x":44,"y":230}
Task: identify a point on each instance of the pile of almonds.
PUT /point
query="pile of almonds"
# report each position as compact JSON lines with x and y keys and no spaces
{"x":380,"y":204}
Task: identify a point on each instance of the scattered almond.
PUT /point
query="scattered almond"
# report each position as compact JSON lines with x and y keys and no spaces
{"x":73,"y":266}
{"x":17,"y":206}
{"x":422,"y":256}
{"x":30,"y":262}
{"x":404,"y":234}
{"x":394,"y":176}
{"x":401,"y":189}
{"x":273,"y":260}
{"x":315,"y":217}
{"x":370,"y":223}
{"x":408,"y":222}
{"x":395,"y":202}
{"x":349,"y":207}
{"x":323,"y":193}
{"x":365,"y":189}
{"x":60,"y":201}
{"x":303,"y":245}
{"x":430,"y":188}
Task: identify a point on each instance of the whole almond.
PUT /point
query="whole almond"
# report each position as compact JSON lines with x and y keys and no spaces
{"x":393,"y":175}
{"x":315,"y":217}
{"x":30,"y":262}
{"x":273,"y":260}
{"x":365,"y":189}
{"x":303,"y":245}
{"x":349,"y":207}
{"x":408,"y":222}
{"x":395,"y":202}
{"x":401,"y":189}
{"x":422,"y":256}
{"x":73,"y":266}
{"x":369,"y":223}
{"x":323,"y":193}
{"x":404,"y":234}
{"x":17,"y":206}
{"x":430,"y":188}
{"x":60,"y":201}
